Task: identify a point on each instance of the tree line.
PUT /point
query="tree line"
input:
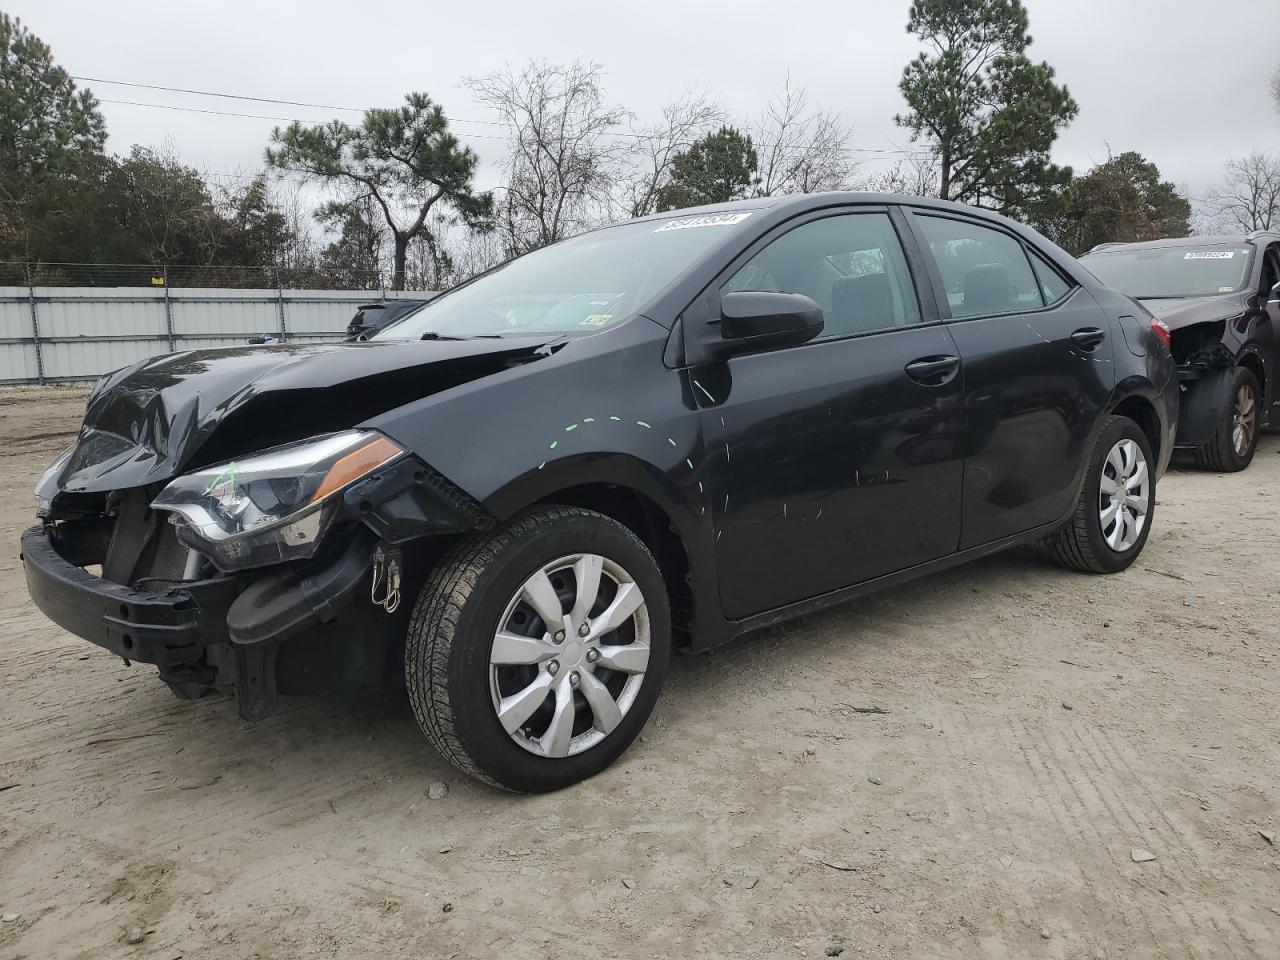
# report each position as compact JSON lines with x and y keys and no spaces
{"x":400,"y":189}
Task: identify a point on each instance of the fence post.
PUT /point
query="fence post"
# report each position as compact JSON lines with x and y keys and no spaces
{"x":168,"y":308}
{"x":280,"y":305}
{"x":35,"y":324}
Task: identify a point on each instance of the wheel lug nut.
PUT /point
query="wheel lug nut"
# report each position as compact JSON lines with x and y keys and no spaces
{"x":593,"y":655}
{"x":573,"y":679}
{"x":558,"y":636}
{"x":584,"y":629}
{"x":553,"y":667}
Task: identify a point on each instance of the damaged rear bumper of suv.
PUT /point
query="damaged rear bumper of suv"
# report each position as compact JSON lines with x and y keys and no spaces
{"x":226,"y":633}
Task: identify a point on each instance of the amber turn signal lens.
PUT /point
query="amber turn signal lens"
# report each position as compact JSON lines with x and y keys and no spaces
{"x":354,"y":465}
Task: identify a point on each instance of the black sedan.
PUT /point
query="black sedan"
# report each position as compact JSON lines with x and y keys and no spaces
{"x":372,"y":317}
{"x":522,"y":497}
{"x":1220,"y":298}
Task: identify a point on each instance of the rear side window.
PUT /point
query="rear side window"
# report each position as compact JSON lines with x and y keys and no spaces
{"x":1052,"y":287}
{"x":851,"y":265}
{"x":984,"y":271}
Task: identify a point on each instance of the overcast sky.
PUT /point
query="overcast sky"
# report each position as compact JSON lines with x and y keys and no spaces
{"x":1184,"y":82}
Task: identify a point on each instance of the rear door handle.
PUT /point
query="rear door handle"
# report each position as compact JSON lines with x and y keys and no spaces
{"x":1088,"y":338}
{"x":933,"y":371}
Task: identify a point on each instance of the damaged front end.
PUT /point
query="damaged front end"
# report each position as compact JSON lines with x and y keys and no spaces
{"x":266,"y":571}
{"x":308,"y":602}
{"x":1204,"y":363}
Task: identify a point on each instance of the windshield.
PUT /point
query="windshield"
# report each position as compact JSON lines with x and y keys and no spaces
{"x":577,"y":286}
{"x":1180,"y":271}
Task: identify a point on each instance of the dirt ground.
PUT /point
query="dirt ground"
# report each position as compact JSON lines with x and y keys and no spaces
{"x":1040,"y":727}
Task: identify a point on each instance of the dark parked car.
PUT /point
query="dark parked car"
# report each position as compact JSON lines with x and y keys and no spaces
{"x":372,"y":317}
{"x":1220,"y":298}
{"x":657,"y":435}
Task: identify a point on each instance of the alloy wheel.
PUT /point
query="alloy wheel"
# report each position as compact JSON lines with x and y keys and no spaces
{"x":1124,"y":495}
{"x":569,"y":655}
{"x":1244,"y":423}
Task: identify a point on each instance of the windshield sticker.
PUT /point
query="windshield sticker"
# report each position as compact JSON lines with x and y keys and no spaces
{"x":596,"y":320}
{"x":707,"y":220}
{"x":1225,"y":289}
{"x":1209,"y":255}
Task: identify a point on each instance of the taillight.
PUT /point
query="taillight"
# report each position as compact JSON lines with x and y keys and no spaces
{"x":1159,"y":328}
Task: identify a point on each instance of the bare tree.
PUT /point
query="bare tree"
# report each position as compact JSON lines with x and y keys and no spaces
{"x":801,"y":151}
{"x":1249,"y":196}
{"x":564,"y":155}
{"x":683,"y":123}
{"x":915,"y":175}
{"x":1275,"y":88}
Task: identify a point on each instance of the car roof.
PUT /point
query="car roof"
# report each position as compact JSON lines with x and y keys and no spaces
{"x":797,"y":203}
{"x":1201,"y":241}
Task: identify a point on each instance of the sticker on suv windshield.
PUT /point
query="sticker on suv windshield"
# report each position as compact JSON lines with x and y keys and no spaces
{"x":596,"y":320}
{"x":706,"y":220}
{"x":1209,"y":255}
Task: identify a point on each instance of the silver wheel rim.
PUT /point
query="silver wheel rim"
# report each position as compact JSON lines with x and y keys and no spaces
{"x":569,"y":656}
{"x":1244,"y":421}
{"x":1124,"y":496}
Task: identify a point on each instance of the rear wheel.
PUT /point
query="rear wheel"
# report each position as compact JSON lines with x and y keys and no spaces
{"x":536,"y":652}
{"x":1113,"y":516}
{"x":1239,"y":416}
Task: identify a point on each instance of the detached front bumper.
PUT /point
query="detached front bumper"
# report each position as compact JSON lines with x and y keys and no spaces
{"x":212,"y":634}
{"x":164,"y":629}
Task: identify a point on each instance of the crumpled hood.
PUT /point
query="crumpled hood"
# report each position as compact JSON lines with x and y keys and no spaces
{"x":1183,"y":312}
{"x":149,"y":422}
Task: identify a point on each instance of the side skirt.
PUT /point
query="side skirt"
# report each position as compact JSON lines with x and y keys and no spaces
{"x":845,"y":594}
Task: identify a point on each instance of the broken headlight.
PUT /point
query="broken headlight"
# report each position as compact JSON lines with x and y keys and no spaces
{"x":273,"y":506}
{"x":47,"y":485}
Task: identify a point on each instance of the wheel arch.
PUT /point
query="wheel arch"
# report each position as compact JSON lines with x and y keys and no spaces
{"x":1142,"y":411}
{"x":1251,"y":359}
{"x":639,"y":497}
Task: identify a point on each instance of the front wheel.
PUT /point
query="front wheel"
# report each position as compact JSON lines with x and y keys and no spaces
{"x":1236,"y":436}
{"x":536,"y":652}
{"x":1117,"y":502}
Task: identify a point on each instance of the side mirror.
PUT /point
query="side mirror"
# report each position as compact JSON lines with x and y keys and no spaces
{"x":752,"y":322}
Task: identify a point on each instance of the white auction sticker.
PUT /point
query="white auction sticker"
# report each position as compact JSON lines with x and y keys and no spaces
{"x":706,"y":220}
{"x":1210,"y":255}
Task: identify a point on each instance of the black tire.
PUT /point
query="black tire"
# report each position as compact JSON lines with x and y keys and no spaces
{"x":450,"y":635}
{"x":1220,"y":453}
{"x":1081,"y":543}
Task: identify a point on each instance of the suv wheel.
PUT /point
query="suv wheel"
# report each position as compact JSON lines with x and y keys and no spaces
{"x":1117,"y":501}
{"x":536,"y":652}
{"x":1236,"y":437}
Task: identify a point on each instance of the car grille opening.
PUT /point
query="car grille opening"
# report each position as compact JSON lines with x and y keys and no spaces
{"x":144,"y":548}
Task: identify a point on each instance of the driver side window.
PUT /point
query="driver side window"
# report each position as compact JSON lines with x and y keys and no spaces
{"x":851,"y":265}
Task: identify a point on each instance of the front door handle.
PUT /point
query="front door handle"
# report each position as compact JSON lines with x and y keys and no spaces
{"x":933,"y":371}
{"x":1088,"y":338}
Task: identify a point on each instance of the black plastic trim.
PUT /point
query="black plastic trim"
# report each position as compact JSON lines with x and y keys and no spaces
{"x":163,"y":629}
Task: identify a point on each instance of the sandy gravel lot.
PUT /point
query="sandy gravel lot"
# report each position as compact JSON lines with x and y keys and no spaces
{"x":1040,"y":727}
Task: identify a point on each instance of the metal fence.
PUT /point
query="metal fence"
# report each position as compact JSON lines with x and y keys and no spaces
{"x":60,"y":334}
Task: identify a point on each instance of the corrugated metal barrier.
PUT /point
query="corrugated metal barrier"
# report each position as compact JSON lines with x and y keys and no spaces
{"x":55,"y":334}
